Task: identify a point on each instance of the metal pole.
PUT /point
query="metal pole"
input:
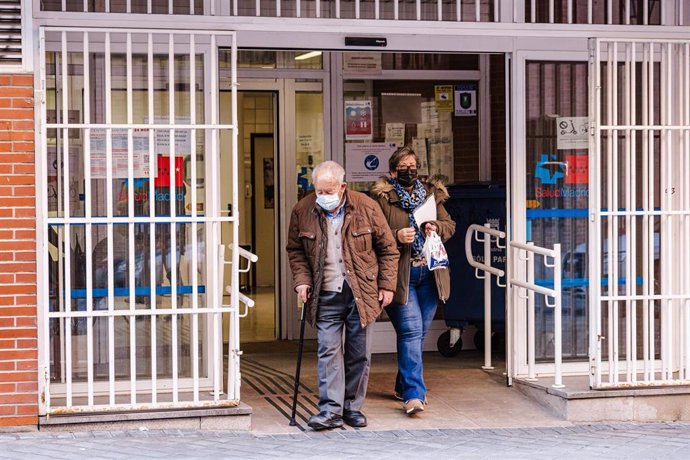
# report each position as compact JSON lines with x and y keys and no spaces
{"x":300,"y":347}
{"x":487,"y":302}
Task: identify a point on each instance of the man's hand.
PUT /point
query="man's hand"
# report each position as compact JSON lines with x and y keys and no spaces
{"x":385,"y":297}
{"x":406,"y":235}
{"x":303,"y":291}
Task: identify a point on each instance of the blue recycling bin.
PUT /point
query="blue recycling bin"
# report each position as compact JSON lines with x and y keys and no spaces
{"x":477,"y":203}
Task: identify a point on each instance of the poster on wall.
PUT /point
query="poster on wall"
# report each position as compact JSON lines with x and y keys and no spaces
{"x":466,"y":100}
{"x":367,"y":162}
{"x":358,"y":120}
{"x":419,"y":147}
{"x":120,"y":153}
{"x":443,"y":97}
{"x":573,"y":133}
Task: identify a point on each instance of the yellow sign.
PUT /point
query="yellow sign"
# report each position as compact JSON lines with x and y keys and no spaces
{"x":443,"y":98}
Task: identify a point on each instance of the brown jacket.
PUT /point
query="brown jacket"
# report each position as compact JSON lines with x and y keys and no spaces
{"x":397,"y":218}
{"x":369,"y":252}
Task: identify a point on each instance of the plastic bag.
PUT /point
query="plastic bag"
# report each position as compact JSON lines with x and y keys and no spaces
{"x":434,"y":252}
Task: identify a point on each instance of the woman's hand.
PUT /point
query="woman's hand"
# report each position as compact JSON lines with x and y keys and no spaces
{"x":430,"y":227}
{"x":406,"y":235}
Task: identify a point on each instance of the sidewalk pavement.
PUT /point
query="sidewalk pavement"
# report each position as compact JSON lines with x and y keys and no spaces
{"x":609,"y":441}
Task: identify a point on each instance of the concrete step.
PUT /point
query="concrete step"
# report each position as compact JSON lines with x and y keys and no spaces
{"x":236,"y":418}
{"x":578,"y":403}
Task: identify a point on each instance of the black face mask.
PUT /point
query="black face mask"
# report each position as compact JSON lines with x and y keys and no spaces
{"x":407,"y":176}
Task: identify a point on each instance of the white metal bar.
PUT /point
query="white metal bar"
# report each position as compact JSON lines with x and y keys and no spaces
{"x":645,"y":13}
{"x":646,"y":206}
{"x":42,"y":232}
{"x":595,"y":228}
{"x":496,"y":11}
{"x":217,"y":354}
{"x":137,"y":220}
{"x":151,"y":225}
{"x":627,"y":12}
{"x":551,"y":12}
{"x":377,"y":8}
{"x":487,"y":303}
{"x":630,"y":256}
{"x":612,"y":283}
{"x":648,"y":297}
{"x":650,"y":227}
{"x":477,"y":11}
{"x":318,"y":8}
{"x":337,"y":9}
{"x":685,"y":229}
{"x":536,"y":288}
{"x":418,"y":5}
{"x":439,"y":10}
{"x":195,"y":248}
{"x":357,"y":10}
{"x":458,"y":10}
{"x":109,"y":207}
{"x":589,"y":15}
{"x":234,"y":350}
{"x":558,"y":329}
{"x":614,"y":225}
{"x":172,"y":210}
{"x":536,"y":249}
{"x":257,"y":8}
{"x":298,"y":8}
{"x":533,"y":11}
{"x":531,"y":336}
{"x":87,"y":214}
{"x":632,"y":231}
{"x":667,"y":221}
{"x":170,"y":6}
{"x":609,"y":12}
{"x":126,"y":313}
{"x":123,"y":126}
{"x":130,"y":227}
{"x":67,"y":243}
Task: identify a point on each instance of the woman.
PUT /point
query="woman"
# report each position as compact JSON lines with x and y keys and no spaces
{"x":418,"y":290}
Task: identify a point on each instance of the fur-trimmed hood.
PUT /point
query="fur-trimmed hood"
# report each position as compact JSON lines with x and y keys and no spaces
{"x":382,"y":187}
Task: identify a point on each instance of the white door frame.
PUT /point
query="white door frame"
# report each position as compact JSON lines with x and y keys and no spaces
{"x":517,"y":315}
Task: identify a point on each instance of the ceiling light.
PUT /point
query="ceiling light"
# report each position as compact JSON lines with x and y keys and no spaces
{"x":309,"y":55}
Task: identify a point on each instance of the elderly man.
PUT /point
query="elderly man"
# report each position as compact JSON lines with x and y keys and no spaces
{"x":344,"y":265}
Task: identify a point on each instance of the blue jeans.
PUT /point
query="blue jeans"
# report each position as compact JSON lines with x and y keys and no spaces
{"x":411,"y":322}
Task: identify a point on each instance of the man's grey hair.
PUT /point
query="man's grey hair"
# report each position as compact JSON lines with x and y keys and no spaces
{"x":329,"y":169}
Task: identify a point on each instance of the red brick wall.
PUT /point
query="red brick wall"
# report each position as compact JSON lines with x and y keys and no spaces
{"x":18,"y":343}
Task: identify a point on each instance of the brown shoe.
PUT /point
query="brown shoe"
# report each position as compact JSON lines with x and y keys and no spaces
{"x":413,"y":406}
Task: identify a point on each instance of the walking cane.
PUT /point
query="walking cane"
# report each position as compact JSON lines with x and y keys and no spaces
{"x":299,"y":365}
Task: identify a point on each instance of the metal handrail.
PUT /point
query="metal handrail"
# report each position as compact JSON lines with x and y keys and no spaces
{"x":473,"y":231}
{"x":527,"y":253}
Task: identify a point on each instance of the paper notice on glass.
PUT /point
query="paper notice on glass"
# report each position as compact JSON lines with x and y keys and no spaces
{"x":395,"y":134}
{"x":419,"y":147}
{"x":426,"y":212}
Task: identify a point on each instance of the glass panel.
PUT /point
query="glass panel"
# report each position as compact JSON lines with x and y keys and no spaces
{"x":405,"y":112}
{"x":557,"y":194}
{"x":309,"y":146}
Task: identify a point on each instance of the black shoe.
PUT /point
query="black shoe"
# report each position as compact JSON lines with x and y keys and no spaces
{"x":325,"y":421}
{"x":355,"y":418}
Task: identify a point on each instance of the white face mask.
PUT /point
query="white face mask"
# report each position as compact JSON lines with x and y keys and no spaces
{"x":328,"y":202}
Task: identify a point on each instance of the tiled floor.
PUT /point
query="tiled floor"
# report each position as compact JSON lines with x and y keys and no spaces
{"x":461,"y":395}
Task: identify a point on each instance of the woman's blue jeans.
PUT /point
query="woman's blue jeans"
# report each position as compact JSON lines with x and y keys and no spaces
{"x":411,"y":322}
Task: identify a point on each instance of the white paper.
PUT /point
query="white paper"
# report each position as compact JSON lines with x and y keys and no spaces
{"x":395,"y":134}
{"x":426,"y":212}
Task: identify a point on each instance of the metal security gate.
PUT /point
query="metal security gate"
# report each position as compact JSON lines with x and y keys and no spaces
{"x":639,"y":234}
{"x":129,"y":221}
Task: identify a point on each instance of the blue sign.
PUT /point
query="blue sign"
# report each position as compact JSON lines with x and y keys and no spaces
{"x":371,"y":162}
